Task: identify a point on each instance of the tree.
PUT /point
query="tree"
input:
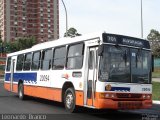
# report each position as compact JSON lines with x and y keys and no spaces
{"x":1,"y":46}
{"x":20,"y":44}
{"x":154,"y":38}
{"x":72,"y":32}
{"x":26,"y":42}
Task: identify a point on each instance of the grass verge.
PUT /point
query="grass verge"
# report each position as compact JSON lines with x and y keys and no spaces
{"x":156,"y":91}
{"x":156,"y":74}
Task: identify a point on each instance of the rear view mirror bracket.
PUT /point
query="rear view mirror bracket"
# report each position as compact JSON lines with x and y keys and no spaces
{"x":100,"y":50}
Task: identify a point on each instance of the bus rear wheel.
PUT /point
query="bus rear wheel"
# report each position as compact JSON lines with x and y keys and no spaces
{"x":21,"y":91}
{"x":69,"y":100}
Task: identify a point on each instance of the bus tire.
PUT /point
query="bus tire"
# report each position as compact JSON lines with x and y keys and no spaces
{"x":69,"y":100}
{"x":21,"y":91}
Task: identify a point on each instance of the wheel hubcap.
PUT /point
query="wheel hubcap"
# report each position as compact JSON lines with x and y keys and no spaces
{"x":20,"y":92}
{"x":69,"y":100}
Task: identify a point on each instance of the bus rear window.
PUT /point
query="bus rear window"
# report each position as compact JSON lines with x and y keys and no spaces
{"x":8,"y":64}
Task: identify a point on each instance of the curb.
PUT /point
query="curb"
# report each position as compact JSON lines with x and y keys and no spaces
{"x":156,"y":102}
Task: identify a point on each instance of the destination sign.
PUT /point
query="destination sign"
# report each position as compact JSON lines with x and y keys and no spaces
{"x":125,"y":40}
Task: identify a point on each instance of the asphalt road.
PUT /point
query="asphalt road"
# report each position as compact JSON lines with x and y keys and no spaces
{"x":11,"y":104}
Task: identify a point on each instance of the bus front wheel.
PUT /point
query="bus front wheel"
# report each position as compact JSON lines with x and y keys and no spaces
{"x":69,"y":100}
{"x":21,"y":91}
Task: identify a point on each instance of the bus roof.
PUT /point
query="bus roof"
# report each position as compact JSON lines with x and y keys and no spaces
{"x":58,"y":42}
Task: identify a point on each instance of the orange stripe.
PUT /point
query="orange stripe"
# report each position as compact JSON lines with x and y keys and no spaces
{"x":46,"y":93}
{"x":8,"y":87}
{"x":51,"y":94}
{"x":79,"y":98}
{"x":43,"y":92}
{"x":35,"y":91}
{"x":15,"y":88}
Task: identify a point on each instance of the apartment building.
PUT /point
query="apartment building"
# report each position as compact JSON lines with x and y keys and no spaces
{"x":22,"y":18}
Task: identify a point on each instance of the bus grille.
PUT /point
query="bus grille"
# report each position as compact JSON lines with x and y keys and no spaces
{"x":128,"y":95}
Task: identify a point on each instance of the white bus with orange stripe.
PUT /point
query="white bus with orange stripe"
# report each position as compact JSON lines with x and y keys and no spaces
{"x":101,"y":71}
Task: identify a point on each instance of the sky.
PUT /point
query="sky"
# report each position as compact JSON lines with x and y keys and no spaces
{"x":112,"y":16}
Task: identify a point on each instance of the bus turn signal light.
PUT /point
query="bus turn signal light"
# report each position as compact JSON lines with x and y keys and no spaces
{"x":107,"y":95}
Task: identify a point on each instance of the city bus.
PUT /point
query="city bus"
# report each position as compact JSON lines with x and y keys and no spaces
{"x":98,"y":71}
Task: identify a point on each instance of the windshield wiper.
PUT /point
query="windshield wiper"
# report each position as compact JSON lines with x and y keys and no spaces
{"x":143,"y":79}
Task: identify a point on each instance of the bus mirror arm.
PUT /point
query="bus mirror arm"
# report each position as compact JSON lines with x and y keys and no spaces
{"x":152,"y":63}
{"x":100,"y":50}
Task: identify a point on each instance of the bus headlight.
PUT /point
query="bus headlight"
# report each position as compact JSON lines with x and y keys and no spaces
{"x":107,"y":95}
{"x":112,"y":95}
{"x":146,"y":96}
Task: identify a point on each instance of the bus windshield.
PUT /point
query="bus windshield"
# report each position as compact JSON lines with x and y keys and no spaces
{"x":123,"y":64}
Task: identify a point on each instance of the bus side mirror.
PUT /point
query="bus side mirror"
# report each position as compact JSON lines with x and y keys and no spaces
{"x":100,"y":50}
{"x":152,"y":63}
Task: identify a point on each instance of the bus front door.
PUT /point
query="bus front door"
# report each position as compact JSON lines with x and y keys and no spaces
{"x":12,"y":73}
{"x":92,"y":76}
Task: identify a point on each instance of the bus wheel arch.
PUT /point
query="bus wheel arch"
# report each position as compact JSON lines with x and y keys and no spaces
{"x":68,"y":96}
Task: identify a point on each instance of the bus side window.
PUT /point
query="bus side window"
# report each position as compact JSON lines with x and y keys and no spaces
{"x":46,"y":59}
{"x":36,"y":60}
{"x":8,"y":64}
{"x":75,"y":56}
{"x":27,"y":61}
{"x":20,"y":60}
{"x":59,"y":57}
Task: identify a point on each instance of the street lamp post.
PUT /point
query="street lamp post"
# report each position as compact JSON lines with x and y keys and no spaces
{"x":66,"y":17}
{"x":141,"y":19}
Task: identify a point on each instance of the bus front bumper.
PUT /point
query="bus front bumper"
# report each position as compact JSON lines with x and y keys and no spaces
{"x":112,"y":104}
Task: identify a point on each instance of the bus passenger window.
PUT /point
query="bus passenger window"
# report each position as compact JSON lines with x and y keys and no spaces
{"x":8,"y":64}
{"x":19,"y":65}
{"x":59,"y":58}
{"x":27,"y":61}
{"x":75,"y":56}
{"x":46,"y":59}
{"x":36,"y":60}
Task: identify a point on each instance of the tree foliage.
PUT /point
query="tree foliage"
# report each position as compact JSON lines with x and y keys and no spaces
{"x":154,"y":38}
{"x":19,"y":44}
{"x":72,"y":32}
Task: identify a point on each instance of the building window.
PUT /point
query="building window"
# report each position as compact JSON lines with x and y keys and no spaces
{"x":59,"y":57}
{"x":41,"y":19}
{"x":75,"y":56}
